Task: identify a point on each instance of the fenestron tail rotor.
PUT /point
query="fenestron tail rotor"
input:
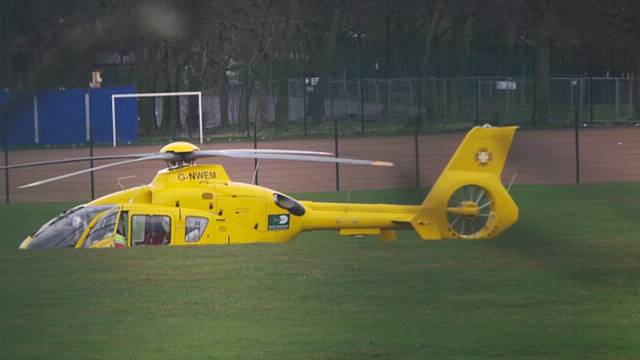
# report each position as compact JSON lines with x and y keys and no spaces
{"x":469,"y":210}
{"x":180,"y":154}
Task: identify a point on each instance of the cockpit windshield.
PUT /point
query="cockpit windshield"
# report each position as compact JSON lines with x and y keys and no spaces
{"x":66,"y":229}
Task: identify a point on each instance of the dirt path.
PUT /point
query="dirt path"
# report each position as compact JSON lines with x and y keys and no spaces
{"x":537,"y":156}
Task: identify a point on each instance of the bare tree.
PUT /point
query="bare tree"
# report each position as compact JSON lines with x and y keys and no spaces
{"x":321,"y":27}
{"x":620,"y":18}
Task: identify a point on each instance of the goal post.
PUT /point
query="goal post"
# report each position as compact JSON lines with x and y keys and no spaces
{"x":145,"y":95}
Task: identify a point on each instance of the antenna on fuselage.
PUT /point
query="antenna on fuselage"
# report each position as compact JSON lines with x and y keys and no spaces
{"x":123,"y":178}
{"x":255,"y":172}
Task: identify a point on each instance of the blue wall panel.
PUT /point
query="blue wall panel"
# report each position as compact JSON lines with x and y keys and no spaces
{"x":62,"y":117}
{"x":20,"y":119}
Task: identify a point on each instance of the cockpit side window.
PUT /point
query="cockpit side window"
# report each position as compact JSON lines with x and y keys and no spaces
{"x":103,"y":229}
{"x":150,"y":230}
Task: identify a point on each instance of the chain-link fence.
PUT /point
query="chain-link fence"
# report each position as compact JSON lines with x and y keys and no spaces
{"x":369,"y":105}
{"x":370,"y":108}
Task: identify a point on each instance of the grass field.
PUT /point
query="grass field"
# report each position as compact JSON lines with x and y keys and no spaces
{"x":563,"y":283}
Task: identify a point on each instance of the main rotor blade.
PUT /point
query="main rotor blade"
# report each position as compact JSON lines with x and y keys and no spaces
{"x":166,"y":157}
{"x":279,"y":151}
{"x":295,"y":157}
{"x":207,"y":153}
{"x":70,"y":160}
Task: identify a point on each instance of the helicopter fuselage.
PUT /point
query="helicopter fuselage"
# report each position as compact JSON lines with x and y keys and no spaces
{"x":199,"y":205}
{"x":189,"y":204}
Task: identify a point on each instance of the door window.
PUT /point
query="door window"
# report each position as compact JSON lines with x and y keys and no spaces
{"x":194,"y":228}
{"x":150,"y":230}
{"x":120,"y":240}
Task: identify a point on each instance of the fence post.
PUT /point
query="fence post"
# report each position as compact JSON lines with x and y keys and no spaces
{"x":87,"y":118}
{"x":577,"y":143}
{"x":581,"y":101}
{"x":590,"y":86}
{"x":476,"y":103}
{"x":474,"y":61}
{"x":4,"y":129}
{"x":533,"y":87}
{"x":571,"y":91}
{"x":303,"y":86}
{"x":418,"y":125}
{"x":434,"y":92}
{"x":617,"y":100}
{"x":507,"y":107}
{"x":36,"y":120}
{"x":416,"y":147}
{"x":247,"y":99}
{"x":446,"y":100}
{"x":523,"y":91}
{"x":255,"y":146}
{"x":6,"y":171}
{"x":629,"y":99}
{"x":361,"y":93}
{"x":419,"y":100}
{"x":335,"y":136}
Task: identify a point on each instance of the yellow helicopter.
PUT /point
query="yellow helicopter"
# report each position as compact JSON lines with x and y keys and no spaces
{"x":189,"y":204}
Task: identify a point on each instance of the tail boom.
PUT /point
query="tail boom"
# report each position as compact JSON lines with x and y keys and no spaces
{"x":467,"y":201}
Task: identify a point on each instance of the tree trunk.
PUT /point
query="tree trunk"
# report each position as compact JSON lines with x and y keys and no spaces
{"x":145,"y":83}
{"x":223,"y":96}
{"x":317,"y":97}
{"x":171,"y":108}
{"x":176,"y":126}
{"x":427,"y":68}
{"x":282,"y":102}
{"x":165,"y":121}
{"x":183,"y":112}
{"x":4,"y":47}
{"x":458,"y":53}
{"x":261,"y":109}
{"x":193,"y":120}
{"x":245,"y":99}
{"x":388,"y":59}
{"x":542,"y":91}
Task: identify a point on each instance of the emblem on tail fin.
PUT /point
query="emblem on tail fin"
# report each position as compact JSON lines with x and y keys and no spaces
{"x":483,"y":157}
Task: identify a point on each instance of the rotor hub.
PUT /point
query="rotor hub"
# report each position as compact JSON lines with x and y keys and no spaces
{"x":179,"y":147}
{"x":182,"y":151}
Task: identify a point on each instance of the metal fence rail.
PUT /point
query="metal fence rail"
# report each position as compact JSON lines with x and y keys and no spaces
{"x":400,"y":116}
{"x":443,"y":100}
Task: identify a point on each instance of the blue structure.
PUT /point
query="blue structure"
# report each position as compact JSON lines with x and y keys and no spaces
{"x":58,"y":117}
{"x":19,"y":120}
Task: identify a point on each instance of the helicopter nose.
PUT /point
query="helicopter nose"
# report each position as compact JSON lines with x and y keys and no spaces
{"x":25,"y":243}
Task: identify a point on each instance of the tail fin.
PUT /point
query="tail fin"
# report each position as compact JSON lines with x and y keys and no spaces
{"x":468,"y":200}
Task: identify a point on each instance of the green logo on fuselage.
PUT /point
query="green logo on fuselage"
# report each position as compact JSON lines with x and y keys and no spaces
{"x":278,"y":222}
